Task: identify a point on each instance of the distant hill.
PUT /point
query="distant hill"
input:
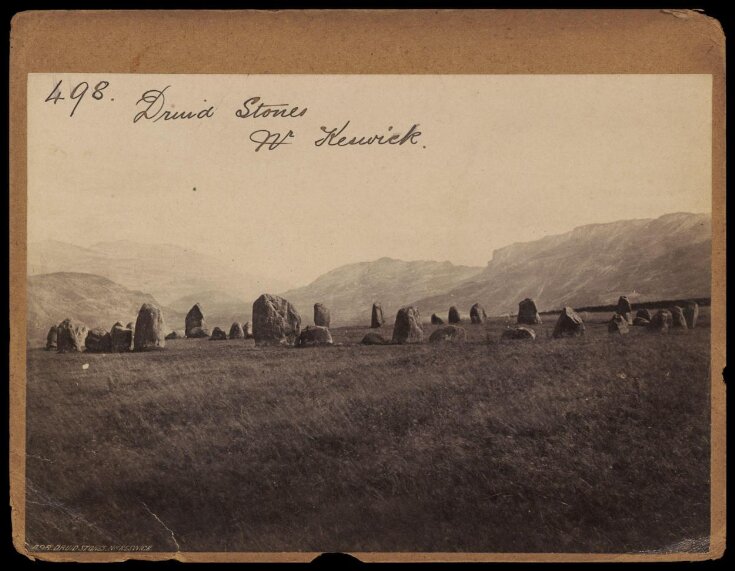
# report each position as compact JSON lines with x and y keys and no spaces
{"x":349,"y":291}
{"x":94,"y":300}
{"x":166,"y":271}
{"x":649,"y":259}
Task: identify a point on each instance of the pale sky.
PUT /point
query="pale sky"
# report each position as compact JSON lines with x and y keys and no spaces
{"x":500,"y":159}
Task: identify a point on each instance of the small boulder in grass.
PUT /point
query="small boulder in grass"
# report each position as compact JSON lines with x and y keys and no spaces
{"x":436,"y":320}
{"x":519,"y":333}
{"x":641,"y":322}
{"x":374,"y":339}
{"x":314,"y":336}
{"x":661,"y":321}
{"x":70,"y":336}
{"x":236,"y":331}
{"x":98,"y":341}
{"x":618,"y":324}
{"x":449,"y":333}
{"x":569,"y":324}
{"x":218,"y":335}
{"x":643,"y":314}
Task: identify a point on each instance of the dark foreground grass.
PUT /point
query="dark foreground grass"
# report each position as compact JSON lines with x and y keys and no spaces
{"x":593,"y":444}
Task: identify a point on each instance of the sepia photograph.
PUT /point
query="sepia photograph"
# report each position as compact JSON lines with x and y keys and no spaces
{"x":368,"y":313}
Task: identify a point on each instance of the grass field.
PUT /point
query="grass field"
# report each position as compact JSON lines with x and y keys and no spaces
{"x":598,"y":444}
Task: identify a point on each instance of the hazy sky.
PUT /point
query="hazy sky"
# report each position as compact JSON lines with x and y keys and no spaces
{"x":500,"y":159}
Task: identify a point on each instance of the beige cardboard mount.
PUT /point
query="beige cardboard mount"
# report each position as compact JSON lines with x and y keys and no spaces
{"x":363,"y":42}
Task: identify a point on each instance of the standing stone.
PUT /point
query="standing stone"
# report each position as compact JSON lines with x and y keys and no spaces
{"x":130,"y":326}
{"x":121,"y":338}
{"x":436,"y":320}
{"x":407,"y":328}
{"x":321,"y":315}
{"x":450,"y":333}
{"x":70,"y":336}
{"x":643,"y":314}
{"x":218,"y":335}
{"x":477,"y":314}
{"x":314,"y":336}
{"x":678,"y":321}
{"x":624,"y":308}
{"x":236,"y":331}
{"x":569,"y":324}
{"x":377,"y":319}
{"x":275,"y":321}
{"x":519,"y":333}
{"x":98,"y":341}
{"x":51,"y":338}
{"x":149,"y":329}
{"x":374,"y":339}
{"x":247,"y":328}
{"x":618,"y":324}
{"x":528,"y":313}
{"x":661,"y":321}
{"x":453,"y":316}
{"x":195,"y":320}
{"x":691,"y":313}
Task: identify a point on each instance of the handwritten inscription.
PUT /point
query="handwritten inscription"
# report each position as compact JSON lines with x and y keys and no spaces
{"x":153,"y":102}
{"x":253,"y":108}
{"x":154,"y":106}
{"x":332,"y":137}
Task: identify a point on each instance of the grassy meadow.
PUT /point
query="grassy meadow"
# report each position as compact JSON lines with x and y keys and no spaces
{"x":598,"y":443}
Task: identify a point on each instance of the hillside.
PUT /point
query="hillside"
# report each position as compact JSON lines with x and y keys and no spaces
{"x":663,"y":258}
{"x":349,"y":291}
{"x":94,"y":300}
{"x":167,"y":271}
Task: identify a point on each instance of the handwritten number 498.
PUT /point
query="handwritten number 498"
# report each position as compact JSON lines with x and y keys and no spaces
{"x":77,"y":93}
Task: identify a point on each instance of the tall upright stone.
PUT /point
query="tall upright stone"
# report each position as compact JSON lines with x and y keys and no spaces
{"x":149,"y":329}
{"x":478,"y":314}
{"x":407,"y":328}
{"x":528,"y":312}
{"x":321,"y":315}
{"x":691,"y":313}
{"x":51,"y":337}
{"x":70,"y":336}
{"x":275,"y":321}
{"x":194,"y":324}
{"x":247,"y":328}
{"x":569,"y":324}
{"x":678,"y":321}
{"x":453,"y":316}
{"x":624,"y":309}
{"x":377,"y":319}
